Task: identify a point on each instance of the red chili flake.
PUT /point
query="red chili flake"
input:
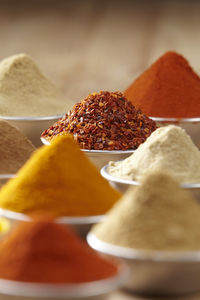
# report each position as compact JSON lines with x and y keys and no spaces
{"x":104,"y":121}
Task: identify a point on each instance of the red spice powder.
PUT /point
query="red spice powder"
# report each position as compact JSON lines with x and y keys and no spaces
{"x":45,"y":252}
{"x":104,"y":121}
{"x":169,"y":88}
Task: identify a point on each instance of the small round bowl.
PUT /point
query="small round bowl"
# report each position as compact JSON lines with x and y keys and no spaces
{"x":32,"y":127}
{"x":123,"y":184}
{"x":81,"y":225}
{"x":191,"y":126}
{"x":96,"y":290}
{"x":101,"y":157}
{"x":119,"y":184}
{"x":157,"y":273}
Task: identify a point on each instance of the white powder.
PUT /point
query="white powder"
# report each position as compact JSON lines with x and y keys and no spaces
{"x":168,"y":148}
{"x":25,"y":91}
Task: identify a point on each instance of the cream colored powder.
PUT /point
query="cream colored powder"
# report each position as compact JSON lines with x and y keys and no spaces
{"x":25,"y":91}
{"x":168,"y":148}
{"x":158,"y":215}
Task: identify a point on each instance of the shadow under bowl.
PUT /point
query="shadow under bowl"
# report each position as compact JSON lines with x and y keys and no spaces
{"x":96,"y":290}
{"x":32,"y":127}
{"x":122,"y":185}
{"x":101,"y":157}
{"x":81,"y":225}
{"x":191,"y":126}
{"x":156,"y":273}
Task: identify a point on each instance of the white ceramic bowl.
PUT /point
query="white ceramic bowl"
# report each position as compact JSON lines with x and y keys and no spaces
{"x":119,"y":184}
{"x":97,"y":290}
{"x":191,"y":126}
{"x":157,"y":273}
{"x":101,"y":157}
{"x":81,"y":225}
{"x":32,"y":126}
{"x":123,"y":184}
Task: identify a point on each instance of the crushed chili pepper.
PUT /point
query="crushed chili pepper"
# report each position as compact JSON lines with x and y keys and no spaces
{"x":104,"y":121}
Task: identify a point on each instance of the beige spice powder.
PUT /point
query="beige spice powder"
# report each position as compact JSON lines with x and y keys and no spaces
{"x":167,"y":148}
{"x":25,"y":91}
{"x":157,"y":215}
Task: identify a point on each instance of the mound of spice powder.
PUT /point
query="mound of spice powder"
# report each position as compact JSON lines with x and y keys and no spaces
{"x":15,"y":148}
{"x":25,"y":91}
{"x":104,"y":121}
{"x":46,"y":252}
{"x":169,"y":148}
{"x":61,"y":180}
{"x":169,"y":88}
{"x":157,"y":215}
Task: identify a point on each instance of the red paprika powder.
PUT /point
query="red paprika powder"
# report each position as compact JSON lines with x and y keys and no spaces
{"x":169,"y":89}
{"x":46,"y":252}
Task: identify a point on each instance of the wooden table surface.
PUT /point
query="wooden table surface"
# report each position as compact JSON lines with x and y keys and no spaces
{"x":87,"y":46}
{"x":126,"y":296}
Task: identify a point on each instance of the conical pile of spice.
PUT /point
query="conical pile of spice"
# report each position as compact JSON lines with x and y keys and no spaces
{"x":104,"y":121}
{"x":157,"y":215}
{"x":25,"y":91}
{"x":61,"y":180}
{"x":168,"y":148}
{"x":169,"y":88}
{"x":15,"y":148}
{"x":45,"y":252}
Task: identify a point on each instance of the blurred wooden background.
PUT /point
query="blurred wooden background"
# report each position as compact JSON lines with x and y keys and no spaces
{"x":87,"y":46}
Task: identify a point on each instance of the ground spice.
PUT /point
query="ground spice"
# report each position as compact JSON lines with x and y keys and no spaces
{"x":25,"y":91}
{"x":158,"y":215}
{"x":15,"y":148}
{"x":169,"y":88}
{"x":168,"y":148}
{"x":104,"y":121}
{"x":46,"y":252}
{"x":61,"y":180}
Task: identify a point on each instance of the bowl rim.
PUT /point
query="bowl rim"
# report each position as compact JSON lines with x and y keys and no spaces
{"x":45,"y":142}
{"x":13,"y":215}
{"x":7,"y":176}
{"x":66,"y":291}
{"x":136,"y":254}
{"x":176,"y":120}
{"x":112,"y":178}
{"x":36,"y":118}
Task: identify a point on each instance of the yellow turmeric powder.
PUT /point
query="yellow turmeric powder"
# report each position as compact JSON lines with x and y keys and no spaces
{"x":59,"y":179}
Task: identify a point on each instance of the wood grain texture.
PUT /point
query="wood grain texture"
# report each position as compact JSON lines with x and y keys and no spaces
{"x":83,"y":46}
{"x":86,"y":46}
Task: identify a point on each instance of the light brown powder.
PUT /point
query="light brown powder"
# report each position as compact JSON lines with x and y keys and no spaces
{"x":158,"y":215}
{"x":25,"y":91}
{"x":15,"y":148}
{"x":167,"y":148}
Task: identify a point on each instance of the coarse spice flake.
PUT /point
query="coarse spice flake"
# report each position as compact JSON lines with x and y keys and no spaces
{"x":104,"y":121}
